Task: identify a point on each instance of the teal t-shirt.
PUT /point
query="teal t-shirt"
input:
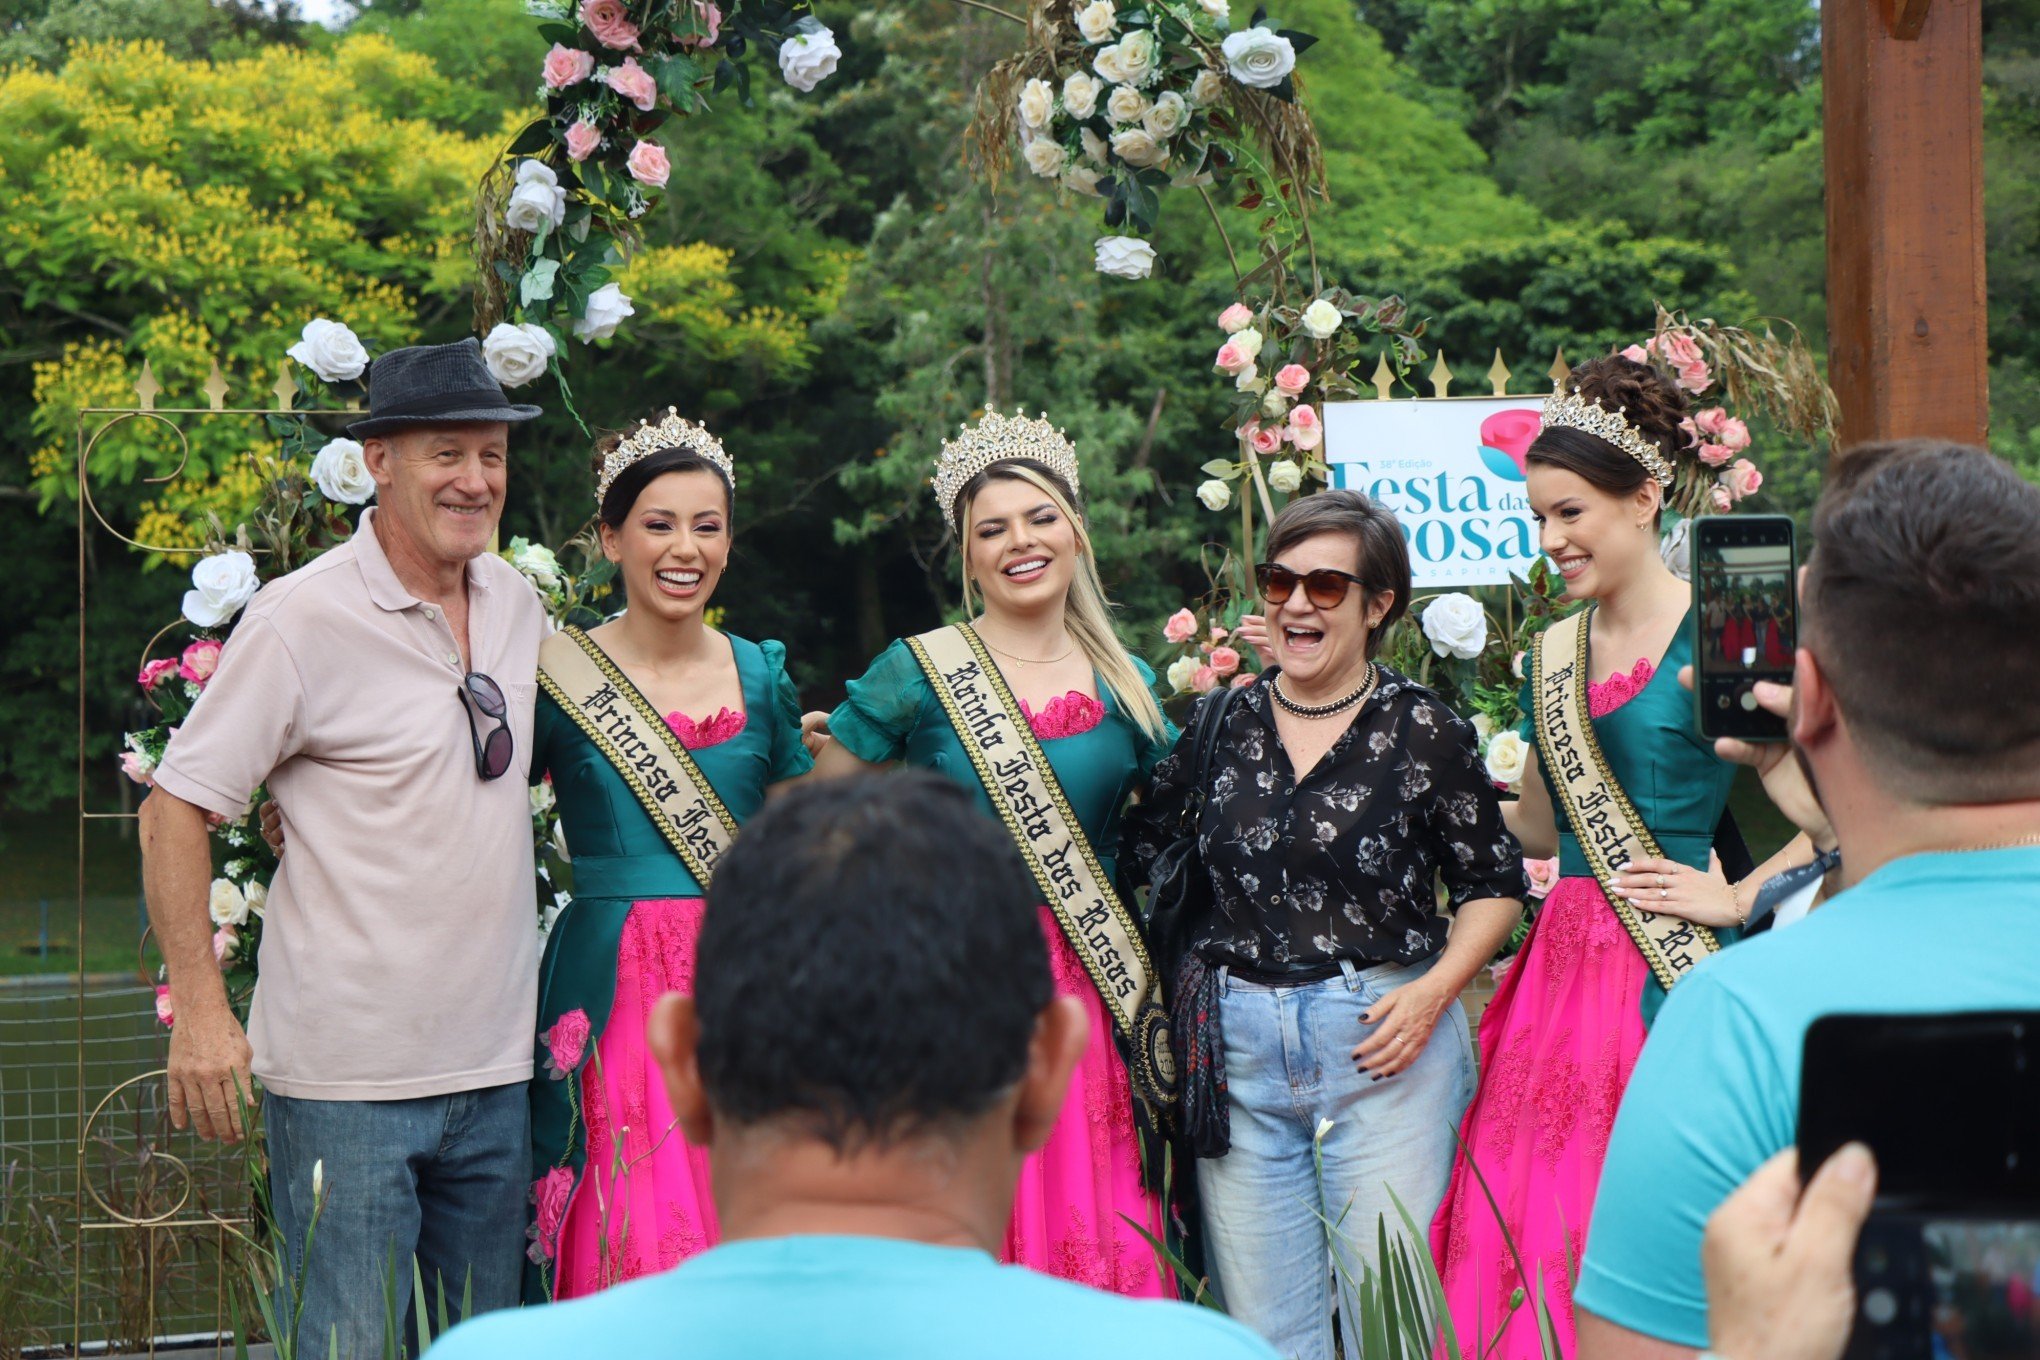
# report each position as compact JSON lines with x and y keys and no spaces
{"x":851,"y":1298}
{"x":1716,"y":1092}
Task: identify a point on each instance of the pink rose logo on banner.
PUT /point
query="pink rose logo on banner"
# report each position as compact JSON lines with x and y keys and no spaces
{"x":1505,"y":439}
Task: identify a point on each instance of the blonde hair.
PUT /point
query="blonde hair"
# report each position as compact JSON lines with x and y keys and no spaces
{"x":1089,"y":613}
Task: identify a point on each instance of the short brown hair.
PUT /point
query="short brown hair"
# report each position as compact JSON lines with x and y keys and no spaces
{"x":1383,"y":555}
{"x":1922,"y":603}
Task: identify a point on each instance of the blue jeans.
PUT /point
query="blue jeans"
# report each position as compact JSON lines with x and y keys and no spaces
{"x":1288,"y":1066}
{"x":444,"y":1178}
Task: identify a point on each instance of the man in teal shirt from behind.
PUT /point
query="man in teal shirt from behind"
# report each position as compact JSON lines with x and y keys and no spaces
{"x":1916,"y":719}
{"x":873,"y":1046}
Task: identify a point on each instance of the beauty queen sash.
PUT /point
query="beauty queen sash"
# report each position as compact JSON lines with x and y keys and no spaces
{"x":634,"y":739}
{"x":1029,"y":799}
{"x":1603,"y":819}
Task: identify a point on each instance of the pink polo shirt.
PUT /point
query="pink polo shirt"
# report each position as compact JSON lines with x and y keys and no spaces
{"x":399,"y":951}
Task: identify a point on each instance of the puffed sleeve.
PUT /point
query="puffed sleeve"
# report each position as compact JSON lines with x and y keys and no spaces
{"x":1478,"y":856}
{"x":545,"y":730}
{"x":880,"y":710}
{"x":790,"y":759}
{"x":1152,"y":751}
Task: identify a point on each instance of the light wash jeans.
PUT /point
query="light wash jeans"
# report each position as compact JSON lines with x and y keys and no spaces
{"x":446,"y":1178}
{"x":1287,"y":1067}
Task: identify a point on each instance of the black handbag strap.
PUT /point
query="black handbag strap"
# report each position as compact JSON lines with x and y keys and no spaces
{"x":1204,"y":749}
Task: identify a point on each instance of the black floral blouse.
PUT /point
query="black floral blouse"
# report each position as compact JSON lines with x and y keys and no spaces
{"x":1344,"y":865}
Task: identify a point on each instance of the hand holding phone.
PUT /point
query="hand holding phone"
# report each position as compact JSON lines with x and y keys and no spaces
{"x":1778,"y":1262}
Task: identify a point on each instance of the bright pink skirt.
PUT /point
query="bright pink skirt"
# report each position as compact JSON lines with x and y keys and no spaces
{"x":1557,"y":1045}
{"x":645,"y":1202}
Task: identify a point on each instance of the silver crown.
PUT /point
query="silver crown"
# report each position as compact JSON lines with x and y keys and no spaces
{"x":674,"y":432}
{"x":1569,"y":410}
{"x":996,"y":439}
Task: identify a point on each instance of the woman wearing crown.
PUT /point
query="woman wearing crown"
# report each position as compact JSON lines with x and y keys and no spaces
{"x":1035,"y":705}
{"x":1639,"y":901}
{"x":660,"y":735}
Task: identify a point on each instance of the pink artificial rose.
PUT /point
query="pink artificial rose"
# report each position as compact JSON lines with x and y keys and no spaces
{"x":1242,"y":680}
{"x":223,"y":941}
{"x":648,"y":164}
{"x":610,"y":22}
{"x":1711,"y":422}
{"x":163,"y":1011}
{"x":1235,"y":318}
{"x":1682,"y":352}
{"x":634,"y":83}
{"x":566,"y":66}
{"x":1306,"y":431}
{"x":1516,"y":665}
{"x":550,"y":1194}
{"x":1734,"y":436}
{"x":1218,"y":633}
{"x":1636,"y":354}
{"x":1292,"y":378}
{"x":133,"y":766}
{"x":1263,"y":439}
{"x":1719,"y":497}
{"x":156,"y":672}
{"x":711,"y":19}
{"x":1224,"y":660}
{"x":200,"y":660}
{"x":1181,"y":627}
{"x":1715,"y":455}
{"x":1742,"y":478}
{"x":1232,"y":359}
{"x":1543,"y":874}
{"x":566,"y":1043}
{"x":1205,"y":681}
{"x":584,"y":139}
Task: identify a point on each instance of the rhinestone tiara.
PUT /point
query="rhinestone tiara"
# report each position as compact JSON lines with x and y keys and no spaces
{"x":674,"y":432}
{"x":1569,"y":410}
{"x":996,"y":439}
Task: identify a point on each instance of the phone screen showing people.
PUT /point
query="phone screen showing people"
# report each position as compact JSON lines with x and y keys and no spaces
{"x":1961,"y":1288}
{"x":1746,"y":611}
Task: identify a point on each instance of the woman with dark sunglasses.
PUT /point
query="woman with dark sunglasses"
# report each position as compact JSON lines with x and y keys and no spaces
{"x":648,"y":725}
{"x":1324,"y":982}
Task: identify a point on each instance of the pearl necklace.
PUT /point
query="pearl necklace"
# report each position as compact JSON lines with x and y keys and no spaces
{"x":1331,"y":709}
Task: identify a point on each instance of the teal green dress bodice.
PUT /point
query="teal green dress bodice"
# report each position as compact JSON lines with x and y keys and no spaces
{"x":1677,"y":784}
{"x":621,"y":858}
{"x":892,"y":714}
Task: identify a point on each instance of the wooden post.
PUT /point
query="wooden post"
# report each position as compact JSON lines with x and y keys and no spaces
{"x":1903,"y":94}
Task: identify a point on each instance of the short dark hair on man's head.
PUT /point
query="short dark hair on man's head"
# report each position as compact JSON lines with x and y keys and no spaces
{"x":870,"y":965}
{"x":1382,"y":555}
{"x":1922,"y":602}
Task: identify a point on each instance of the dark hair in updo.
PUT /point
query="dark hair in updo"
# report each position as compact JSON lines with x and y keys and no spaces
{"x":1651,"y":403}
{"x":631,"y":482}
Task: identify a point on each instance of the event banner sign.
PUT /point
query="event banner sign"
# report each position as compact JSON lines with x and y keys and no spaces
{"x":1452,"y":471}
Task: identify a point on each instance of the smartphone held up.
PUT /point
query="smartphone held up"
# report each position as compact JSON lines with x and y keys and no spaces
{"x":1746,"y":613}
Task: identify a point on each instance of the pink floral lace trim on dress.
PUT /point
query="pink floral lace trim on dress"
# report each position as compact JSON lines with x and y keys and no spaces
{"x":1066,"y":715}
{"x":1605,"y":696}
{"x":695,"y":734}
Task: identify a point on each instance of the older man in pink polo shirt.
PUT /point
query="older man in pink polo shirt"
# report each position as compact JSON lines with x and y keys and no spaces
{"x":384,"y":694}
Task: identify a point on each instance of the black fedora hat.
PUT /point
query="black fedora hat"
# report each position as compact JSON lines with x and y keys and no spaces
{"x":434,"y":385}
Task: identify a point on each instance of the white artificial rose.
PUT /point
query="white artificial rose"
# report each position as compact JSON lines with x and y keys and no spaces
{"x":1205,"y":90}
{"x":1080,"y":179}
{"x":1249,"y":341}
{"x":517,"y":354}
{"x":536,"y":562}
{"x":1215,"y":494}
{"x":1094,"y":147}
{"x":532,"y":171}
{"x":1080,"y":94}
{"x":1037,"y":104}
{"x":1507,"y":755}
{"x":1220,"y":10}
{"x":226,"y":905}
{"x":1676,"y":548}
{"x":1045,"y":157}
{"x":535,"y":207}
{"x":1098,"y":21}
{"x":1126,"y":104}
{"x":1167,"y":117}
{"x":1110,"y":64}
{"x":1284,"y":476}
{"x":1483,"y":726}
{"x":258,"y":899}
{"x":806,"y":59}
{"x":542,"y":798}
{"x":1180,"y":673}
{"x":1137,"y":149}
{"x":1259,"y":58}
{"x":340,"y":471}
{"x":220,"y":585}
{"x":1456,"y":626}
{"x":1247,"y":379}
{"x":330,"y":350}
{"x":1125,"y":257}
{"x":607,"y":307}
{"x":1321,"y":319}
{"x":1141,"y":54}
{"x":1275,"y":405}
